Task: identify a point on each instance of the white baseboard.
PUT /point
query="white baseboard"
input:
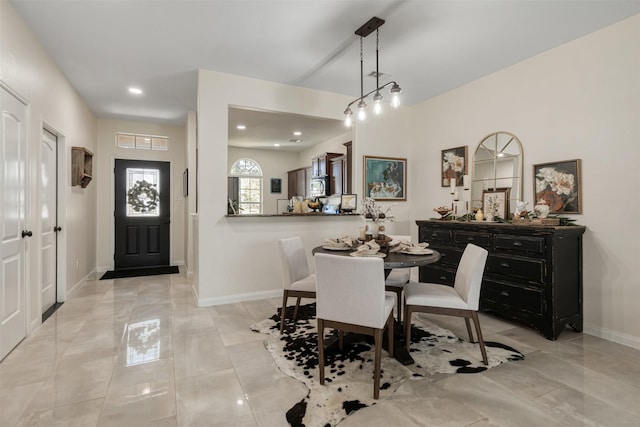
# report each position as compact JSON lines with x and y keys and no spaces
{"x":611,"y":335}
{"x":76,"y":287}
{"x":228,"y":299}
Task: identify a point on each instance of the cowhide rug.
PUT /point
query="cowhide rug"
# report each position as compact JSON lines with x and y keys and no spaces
{"x":348,"y":383}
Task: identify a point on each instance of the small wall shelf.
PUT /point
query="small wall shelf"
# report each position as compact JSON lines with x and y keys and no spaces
{"x":81,"y":166}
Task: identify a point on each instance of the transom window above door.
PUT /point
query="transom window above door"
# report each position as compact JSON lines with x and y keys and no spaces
{"x":142,"y":142}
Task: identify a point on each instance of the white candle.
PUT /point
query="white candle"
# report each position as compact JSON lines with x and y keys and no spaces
{"x":455,"y":196}
{"x":453,"y":185}
{"x":465,"y":182}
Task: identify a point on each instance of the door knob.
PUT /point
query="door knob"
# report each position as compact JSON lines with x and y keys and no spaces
{"x":57,"y":228}
{"x":26,"y":233}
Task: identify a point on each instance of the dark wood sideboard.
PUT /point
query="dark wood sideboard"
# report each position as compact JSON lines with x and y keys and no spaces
{"x":533,"y":273}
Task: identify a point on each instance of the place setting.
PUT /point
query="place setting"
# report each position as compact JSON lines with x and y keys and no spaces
{"x":368,"y":249}
{"x":410,"y":248}
{"x":343,"y":243}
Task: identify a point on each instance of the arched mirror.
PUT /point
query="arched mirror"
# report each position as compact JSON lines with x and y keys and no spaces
{"x":497,"y":165}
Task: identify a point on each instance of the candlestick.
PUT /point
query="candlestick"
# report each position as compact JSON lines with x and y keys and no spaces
{"x":453,"y":186}
{"x":465,"y":182}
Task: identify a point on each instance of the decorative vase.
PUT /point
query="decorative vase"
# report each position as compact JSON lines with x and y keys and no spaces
{"x":368,"y":227}
{"x":541,"y":209}
{"x":380,"y":226}
{"x":479,"y":215}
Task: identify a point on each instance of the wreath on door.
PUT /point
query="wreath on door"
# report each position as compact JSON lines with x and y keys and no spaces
{"x":143,"y":196}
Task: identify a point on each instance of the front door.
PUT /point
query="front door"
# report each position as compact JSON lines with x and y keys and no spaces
{"x":13,"y":143}
{"x":142,"y":214}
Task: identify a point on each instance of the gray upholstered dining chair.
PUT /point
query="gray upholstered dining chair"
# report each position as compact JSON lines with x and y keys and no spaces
{"x":462,"y":300}
{"x":397,"y":278}
{"x":351,"y":297}
{"x":297,"y":280}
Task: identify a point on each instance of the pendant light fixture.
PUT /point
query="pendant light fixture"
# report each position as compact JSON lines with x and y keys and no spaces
{"x":372,"y":25}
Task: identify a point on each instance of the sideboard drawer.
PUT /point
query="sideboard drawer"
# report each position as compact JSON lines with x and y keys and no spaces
{"x":439,"y":275}
{"x":520,"y":243}
{"x":450,"y":256}
{"x":527,"y":299}
{"x":435,"y":235}
{"x":478,"y":239}
{"x":529,"y":269}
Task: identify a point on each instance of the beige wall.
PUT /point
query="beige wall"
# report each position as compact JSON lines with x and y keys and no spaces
{"x":27,"y":69}
{"x":106,"y":155}
{"x":238,"y":257}
{"x":580,"y":100}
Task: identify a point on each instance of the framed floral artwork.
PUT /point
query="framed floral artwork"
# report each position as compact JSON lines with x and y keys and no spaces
{"x":454,"y":165}
{"x":558,"y":184}
{"x":385,"y":178}
{"x":495,"y":203}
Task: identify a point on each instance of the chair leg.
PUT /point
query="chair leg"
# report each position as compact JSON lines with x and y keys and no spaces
{"x":284,"y":306}
{"x":378,"y":356}
{"x":476,"y":321}
{"x":390,"y":334}
{"x":321,"y":349}
{"x":466,"y":320}
{"x":295,"y":311}
{"x":340,"y":339}
{"x":399,"y":303}
{"x":407,"y":326}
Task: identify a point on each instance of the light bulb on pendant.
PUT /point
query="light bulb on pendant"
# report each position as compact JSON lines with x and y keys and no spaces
{"x":377,"y":103}
{"x":362,"y":114}
{"x":348,"y":113}
{"x":395,"y":95}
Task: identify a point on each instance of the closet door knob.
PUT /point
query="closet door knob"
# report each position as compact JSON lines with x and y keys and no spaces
{"x":57,"y":228}
{"x":26,"y":233}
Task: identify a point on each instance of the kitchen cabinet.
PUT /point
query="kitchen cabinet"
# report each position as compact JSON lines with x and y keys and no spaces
{"x":338,"y":171}
{"x":533,"y":274}
{"x":320,"y":165}
{"x":297,"y":182}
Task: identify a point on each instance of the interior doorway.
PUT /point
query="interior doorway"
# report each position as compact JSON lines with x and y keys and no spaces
{"x":142,"y":214}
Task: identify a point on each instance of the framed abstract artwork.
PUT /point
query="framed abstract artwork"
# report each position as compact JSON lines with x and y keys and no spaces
{"x":559,"y":185}
{"x":385,"y":178}
{"x":495,"y":203}
{"x":454,"y":165}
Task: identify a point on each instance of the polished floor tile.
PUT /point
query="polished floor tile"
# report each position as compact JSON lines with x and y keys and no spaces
{"x":139,"y":352}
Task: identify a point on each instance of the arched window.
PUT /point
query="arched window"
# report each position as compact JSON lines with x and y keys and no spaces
{"x":249,"y":197}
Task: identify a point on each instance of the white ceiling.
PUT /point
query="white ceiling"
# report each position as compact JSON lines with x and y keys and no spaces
{"x":428,"y":47}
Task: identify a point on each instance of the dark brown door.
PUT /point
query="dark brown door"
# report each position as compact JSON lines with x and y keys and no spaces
{"x":142,"y":214}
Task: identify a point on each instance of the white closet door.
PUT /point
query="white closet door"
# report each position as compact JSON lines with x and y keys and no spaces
{"x":48,"y":219}
{"x":12,"y":232}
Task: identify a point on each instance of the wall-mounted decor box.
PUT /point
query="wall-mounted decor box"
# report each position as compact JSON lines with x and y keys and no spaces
{"x":81,"y":166}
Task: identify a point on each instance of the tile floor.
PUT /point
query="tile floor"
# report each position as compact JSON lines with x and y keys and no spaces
{"x":138,"y":352}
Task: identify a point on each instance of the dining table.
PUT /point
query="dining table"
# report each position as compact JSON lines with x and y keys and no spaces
{"x":392,"y":260}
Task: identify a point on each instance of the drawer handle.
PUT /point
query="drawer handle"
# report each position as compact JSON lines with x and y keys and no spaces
{"x":470,"y":239}
{"x":434,"y":235}
{"x":443,"y":277}
{"x":504,"y":264}
{"x":516,"y":243}
{"x":504,"y":293}
{"x":443,"y":255}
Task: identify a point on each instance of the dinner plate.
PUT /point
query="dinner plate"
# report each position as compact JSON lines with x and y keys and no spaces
{"x":337,"y":248}
{"x":376,"y":255}
{"x":423,"y":252}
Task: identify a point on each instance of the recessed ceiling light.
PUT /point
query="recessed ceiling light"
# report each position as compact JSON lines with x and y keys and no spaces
{"x":135,"y":90}
{"x":297,"y":133}
{"x":276,"y":145}
{"x":241,"y":127}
